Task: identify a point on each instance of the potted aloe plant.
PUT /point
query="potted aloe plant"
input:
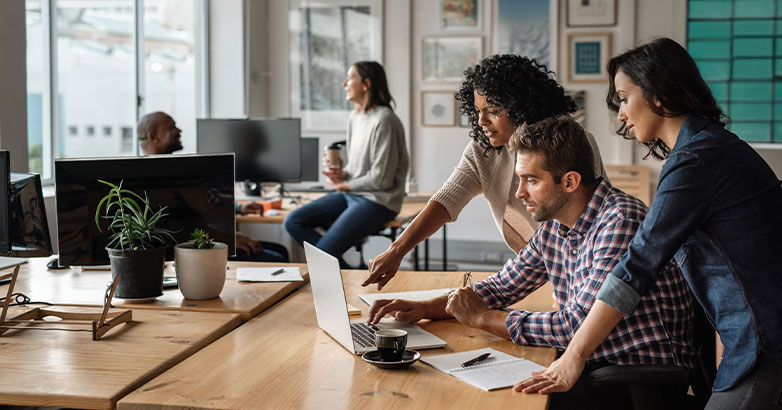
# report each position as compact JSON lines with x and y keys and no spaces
{"x":200,"y":266}
{"x":137,"y":247}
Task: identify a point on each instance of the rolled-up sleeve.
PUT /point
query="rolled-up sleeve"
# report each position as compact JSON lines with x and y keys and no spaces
{"x":461,"y":187}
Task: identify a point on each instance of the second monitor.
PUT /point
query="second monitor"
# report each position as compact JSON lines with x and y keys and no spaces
{"x":267,"y":150}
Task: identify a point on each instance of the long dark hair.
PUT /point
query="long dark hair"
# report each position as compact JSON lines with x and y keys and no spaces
{"x":518,"y":84}
{"x":666,"y":72}
{"x":378,"y":85}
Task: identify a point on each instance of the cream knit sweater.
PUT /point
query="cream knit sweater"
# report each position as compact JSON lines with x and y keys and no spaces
{"x":493,"y":176}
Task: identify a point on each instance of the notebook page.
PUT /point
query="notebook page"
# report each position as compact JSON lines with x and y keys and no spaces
{"x":289,"y":274}
{"x":452,"y":361}
{"x":497,"y":375}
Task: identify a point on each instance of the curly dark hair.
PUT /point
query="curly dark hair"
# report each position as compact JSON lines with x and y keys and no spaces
{"x":666,"y":72}
{"x":518,"y":84}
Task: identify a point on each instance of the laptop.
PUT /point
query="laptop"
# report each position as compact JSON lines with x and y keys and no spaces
{"x":331,"y":309}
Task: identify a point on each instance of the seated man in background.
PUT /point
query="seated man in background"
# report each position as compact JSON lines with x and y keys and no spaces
{"x":158,"y":134}
{"x":586,"y":225}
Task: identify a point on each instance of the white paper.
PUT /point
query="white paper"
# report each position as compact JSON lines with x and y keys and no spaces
{"x":498,"y":371}
{"x":368,"y":298}
{"x":289,"y":274}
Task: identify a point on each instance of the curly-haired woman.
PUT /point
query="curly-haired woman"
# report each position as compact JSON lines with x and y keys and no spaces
{"x":497,"y":95}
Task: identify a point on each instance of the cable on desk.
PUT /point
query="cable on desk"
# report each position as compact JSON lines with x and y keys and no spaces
{"x":22,"y":299}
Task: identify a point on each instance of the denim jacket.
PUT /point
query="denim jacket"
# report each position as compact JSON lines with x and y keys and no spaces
{"x":718,"y":212}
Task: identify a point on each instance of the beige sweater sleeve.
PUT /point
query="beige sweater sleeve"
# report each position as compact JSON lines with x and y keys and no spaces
{"x":462,"y":186}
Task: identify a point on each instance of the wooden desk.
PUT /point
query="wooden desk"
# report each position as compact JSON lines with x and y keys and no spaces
{"x":282,"y":360}
{"x":77,"y":287}
{"x":68,"y":369}
{"x":411,"y":207}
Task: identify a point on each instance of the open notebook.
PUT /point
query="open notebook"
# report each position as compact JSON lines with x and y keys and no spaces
{"x":500,"y":370}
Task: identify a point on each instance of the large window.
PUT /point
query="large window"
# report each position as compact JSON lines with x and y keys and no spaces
{"x":88,"y":83}
{"x":738,"y":47}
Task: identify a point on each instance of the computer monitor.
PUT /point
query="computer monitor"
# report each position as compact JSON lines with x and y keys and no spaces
{"x":267,"y":150}
{"x":5,"y":218}
{"x":197,"y":190}
{"x":310,"y":158}
{"x":29,"y":228}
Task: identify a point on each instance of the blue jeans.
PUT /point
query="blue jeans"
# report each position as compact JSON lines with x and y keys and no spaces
{"x":349,"y":218}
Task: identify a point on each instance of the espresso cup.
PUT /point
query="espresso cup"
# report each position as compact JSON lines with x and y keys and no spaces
{"x":332,"y":157}
{"x":391,"y":344}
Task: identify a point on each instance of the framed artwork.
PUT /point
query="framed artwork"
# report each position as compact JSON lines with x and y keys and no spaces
{"x":445,"y":58}
{"x":460,"y":15}
{"x":528,"y":28}
{"x":438,"y":108}
{"x":591,"y":13}
{"x":587,"y":55}
{"x":326,"y":36}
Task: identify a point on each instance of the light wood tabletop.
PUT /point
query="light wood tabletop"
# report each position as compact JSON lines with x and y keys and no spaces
{"x":78,"y":287}
{"x":281,"y":360}
{"x":67,"y":369}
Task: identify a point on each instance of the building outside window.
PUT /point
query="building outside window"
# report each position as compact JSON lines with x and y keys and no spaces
{"x":92,"y":69}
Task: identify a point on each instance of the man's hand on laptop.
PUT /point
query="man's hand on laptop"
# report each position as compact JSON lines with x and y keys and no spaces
{"x":402,"y":310}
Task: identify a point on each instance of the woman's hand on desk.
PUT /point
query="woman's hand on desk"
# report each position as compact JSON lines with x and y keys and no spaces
{"x":382,"y":268}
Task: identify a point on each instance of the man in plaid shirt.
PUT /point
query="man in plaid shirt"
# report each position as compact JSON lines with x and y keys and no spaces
{"x":586,"y":227}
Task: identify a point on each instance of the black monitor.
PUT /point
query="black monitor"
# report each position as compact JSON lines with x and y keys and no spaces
{"x":267,"y":150}
{"x":5,"y":218}
{"x":29,"y":228}
{"x":197,"y":190}
{"x":310,"y":158}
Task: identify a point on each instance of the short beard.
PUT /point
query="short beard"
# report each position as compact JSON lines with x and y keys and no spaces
{"x":546,"y":212}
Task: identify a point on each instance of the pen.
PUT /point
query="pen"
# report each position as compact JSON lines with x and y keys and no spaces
{"x":277,"y":272}
{"x":468,"y":280}
{"x":476,"y":360}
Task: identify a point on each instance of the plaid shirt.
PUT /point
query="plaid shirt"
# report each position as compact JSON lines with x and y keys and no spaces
{"x":576,"y":261}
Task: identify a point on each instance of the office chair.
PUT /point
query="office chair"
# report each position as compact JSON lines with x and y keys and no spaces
{"x":657,"y":386}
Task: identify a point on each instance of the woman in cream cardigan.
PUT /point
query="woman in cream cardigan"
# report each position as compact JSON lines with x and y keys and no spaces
{"x":497,"y":95}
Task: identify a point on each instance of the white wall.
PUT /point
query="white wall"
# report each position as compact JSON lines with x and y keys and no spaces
{"x":227,"y":59}
{"x":13,"y":82}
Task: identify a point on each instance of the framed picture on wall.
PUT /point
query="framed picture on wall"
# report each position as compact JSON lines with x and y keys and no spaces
{"x":460,"y":15}
{"x":445,"y":58}
{"x":591,"y":13}
{"x":438,"y":108}
{"x":587,"y":55}
{"x":528,"y":28}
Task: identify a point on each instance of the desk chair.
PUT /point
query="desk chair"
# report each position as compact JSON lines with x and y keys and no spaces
{"x":655,"y":386}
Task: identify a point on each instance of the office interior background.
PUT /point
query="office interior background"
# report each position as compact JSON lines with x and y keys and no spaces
{"x":76,"y":74}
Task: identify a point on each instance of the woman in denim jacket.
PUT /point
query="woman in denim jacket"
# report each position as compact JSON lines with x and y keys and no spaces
{"x":717,"y":211}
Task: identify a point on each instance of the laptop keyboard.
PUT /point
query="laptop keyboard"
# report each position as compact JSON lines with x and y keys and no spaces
{"x":364,"y":333}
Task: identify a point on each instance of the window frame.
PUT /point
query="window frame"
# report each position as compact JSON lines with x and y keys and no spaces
{"x":51,"y":137}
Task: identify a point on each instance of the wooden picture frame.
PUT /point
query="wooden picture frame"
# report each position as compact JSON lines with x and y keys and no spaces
{"x":460,"y":15}
{"x":587,"y":55}
{"x":591,"y":13}
{"x":438,"y":108}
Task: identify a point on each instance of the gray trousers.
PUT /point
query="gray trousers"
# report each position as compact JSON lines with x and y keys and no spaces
{"x":761,"y":389}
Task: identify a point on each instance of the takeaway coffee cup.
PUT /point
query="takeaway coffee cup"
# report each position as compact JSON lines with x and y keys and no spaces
{"x":391,"y":344}
{"x":332,"y":157}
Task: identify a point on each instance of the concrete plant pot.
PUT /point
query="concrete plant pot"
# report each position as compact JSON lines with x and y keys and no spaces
{"x":140,"y":272}
{"x":200,"y":273}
